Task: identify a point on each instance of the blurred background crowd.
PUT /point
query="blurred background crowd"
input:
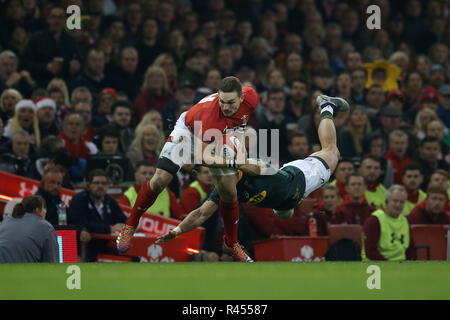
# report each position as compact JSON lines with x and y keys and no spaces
{"x":114,"y":88}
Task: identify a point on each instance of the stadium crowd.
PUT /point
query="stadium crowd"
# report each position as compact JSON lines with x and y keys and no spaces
{"x":115,"y":87}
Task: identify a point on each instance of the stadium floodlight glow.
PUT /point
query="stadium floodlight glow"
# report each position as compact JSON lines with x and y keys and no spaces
{"x":194,"y":251}
{"x":5,"y":197}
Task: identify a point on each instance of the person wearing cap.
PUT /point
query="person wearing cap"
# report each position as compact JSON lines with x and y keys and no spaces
{"x":444,"y":108}
{"x":101,"y":114}
{"x":155,"y":92}
{"x":429,"y":99}
{"x":24,"y":118}
{"x":437,"y":75}
{"x":396,"y":98}
{"x":46,"y":112}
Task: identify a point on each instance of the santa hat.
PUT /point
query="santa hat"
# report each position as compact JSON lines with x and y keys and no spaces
{"x":45,"y":102}
{"x":25,"y":103}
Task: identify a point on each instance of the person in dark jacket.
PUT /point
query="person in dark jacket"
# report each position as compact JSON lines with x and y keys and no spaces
{"x":26,"y":236}
{"x":50,"y":189}
{"x":96,"y":212}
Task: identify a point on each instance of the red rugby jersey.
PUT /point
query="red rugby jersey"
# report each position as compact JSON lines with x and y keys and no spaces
{"x":208,"y":112}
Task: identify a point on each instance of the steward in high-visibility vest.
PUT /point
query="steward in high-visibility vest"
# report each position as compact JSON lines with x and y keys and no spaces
{"x":387,"y":232}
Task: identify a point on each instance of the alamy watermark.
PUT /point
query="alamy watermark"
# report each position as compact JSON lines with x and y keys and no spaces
{"x":374,"y":20}
{"x":374,"y":280}
{"x":73,"y":22}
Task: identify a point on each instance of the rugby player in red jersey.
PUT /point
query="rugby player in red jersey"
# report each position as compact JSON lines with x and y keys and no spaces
{"x":228,"y":109}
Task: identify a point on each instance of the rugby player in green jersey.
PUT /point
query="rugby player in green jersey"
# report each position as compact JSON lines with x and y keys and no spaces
{"x":283,"y":189}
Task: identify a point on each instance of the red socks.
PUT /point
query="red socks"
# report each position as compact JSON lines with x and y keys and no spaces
{"x":145,"y":199}
{"x":230,"y":215}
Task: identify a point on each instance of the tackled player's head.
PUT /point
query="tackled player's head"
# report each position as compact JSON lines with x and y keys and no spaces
{"x":230,"y":95}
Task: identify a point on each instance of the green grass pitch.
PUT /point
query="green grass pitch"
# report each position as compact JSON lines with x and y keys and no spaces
{"x":224,"y":281}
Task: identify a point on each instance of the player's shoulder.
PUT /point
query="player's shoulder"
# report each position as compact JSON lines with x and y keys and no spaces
{"x":250,"y":96}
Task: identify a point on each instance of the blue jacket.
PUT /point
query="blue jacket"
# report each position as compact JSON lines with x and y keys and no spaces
{"x":82,"y":212}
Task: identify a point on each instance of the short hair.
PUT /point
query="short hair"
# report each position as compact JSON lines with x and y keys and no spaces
{"x":275,"y":90}
{"x":8,"y":54}
{"x":331,"y":187}
{"x":72,"y":113}
{"x":297,"y":134}
{"x":80,"y":89}
{"x":109,"y":132}
{"x":121,"y":104}
{"x":354,"y":174}
{"x":231,"y":84}
{"x":21,"y":133}
{"x":371,"y":157}
{"x":51,"y":170}
{"x":96,"y":173}
{"x":441,"y":172}
{"x":144,"y":163}
{"x":413,"y":167}
{"x":428,"y":140}
{"x":63,"y":157}
{"x":436,"y":188}
{"x":397,"y":133}
{"x":393,"y":188}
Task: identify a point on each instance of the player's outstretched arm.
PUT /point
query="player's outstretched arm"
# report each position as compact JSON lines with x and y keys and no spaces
{"x":193,"y":220}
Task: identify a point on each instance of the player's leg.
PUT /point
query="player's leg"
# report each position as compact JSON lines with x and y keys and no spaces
{"x":327,"y":131}
{"x":145,"y":199}
{"x":229,"y":210}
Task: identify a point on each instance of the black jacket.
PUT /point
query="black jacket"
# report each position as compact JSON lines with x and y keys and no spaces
{"x":82,"y":212}
{"x":51,"y":202}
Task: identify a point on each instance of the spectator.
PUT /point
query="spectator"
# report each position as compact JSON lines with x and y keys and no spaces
{"x":96,"y":212}
{"x":126,"y":77}
{"x":397,"y":153}
{"x":61,"y":99}
{"x":52,"y":52}
{"x":167,"y":61}
{"x":50,"y":189}
{"x":195,"y":67}
{"x":102,"y":114}
{"x":354,"y":208}
{"x":427,"y":158}
{"x":8,"y":100}
{"x":93,"y":76}
{"x":441,"y":177}
{"x":24,"y":119}
{"x":343,"y":87}
{"x":17,"y":156}
{"x":412,"y":179}
{"x":81,"y":94}
{"x":3,"y":140}
{"x":121,"y":114}
{"x":84,"y":109}
{"x":390,"y":119}
{"x":147,"y":145}
{"x":350,"y":138}
{"x":437,"y":75}
{"x":422,"y":119}
{"x":323,"y":79}
{"x":12,"y":77}
{"x":436,"y":129}
{"x":374,"y":100}
{"x":155,"y":93}
{"x":149,"y":44}
{"x":273,"y":118}
{"x":444,"y":108}
{"x":26,"y":236}
{"x":46,"y":114}
{"x":60,"y":159}
{"x":298,"y":146}
{"x":166,"y":204}
{"x":375,"y":192}
{"x":412,"y":89}
{"x":71,"y":133}
{"x":326,"y":213}
{"x":359,"y":78}
{"x":293,"y":67}
{"x":109,"y":143}
{"x":344,"y":168}
{"x":198,"y":191}
{"x":210,"y":84}
{"x":387,"y":231}
{"x":297,"y":100}
{"x":432,"y":209}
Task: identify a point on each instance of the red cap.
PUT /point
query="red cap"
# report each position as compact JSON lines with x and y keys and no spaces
{"x":396,"y":93}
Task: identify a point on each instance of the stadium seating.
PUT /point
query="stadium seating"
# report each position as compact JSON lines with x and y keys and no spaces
{"x":429,"y":241}
{"x":348,"y":231}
